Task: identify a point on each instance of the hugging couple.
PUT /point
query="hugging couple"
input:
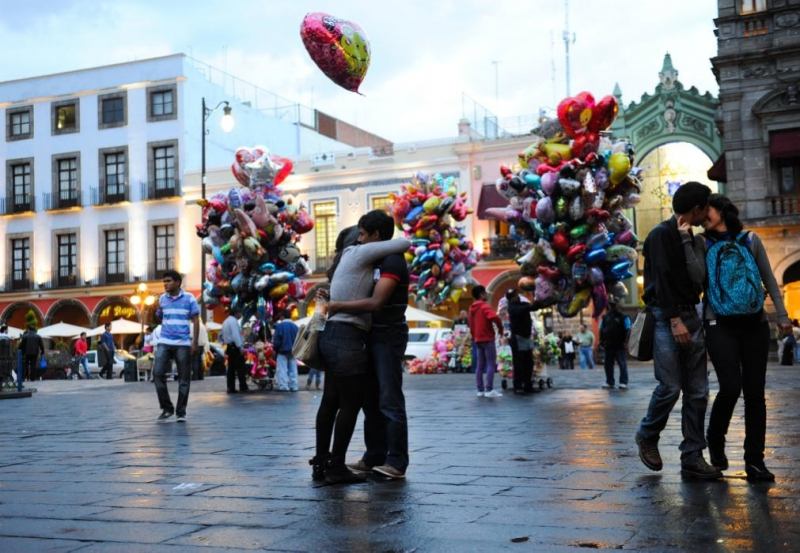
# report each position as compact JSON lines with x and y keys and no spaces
{"x":361,"y":348}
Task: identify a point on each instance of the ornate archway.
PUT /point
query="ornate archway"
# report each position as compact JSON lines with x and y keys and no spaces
{"x":671,"y":114}
{"x":499,"y":284}
{"x":68,"y":311}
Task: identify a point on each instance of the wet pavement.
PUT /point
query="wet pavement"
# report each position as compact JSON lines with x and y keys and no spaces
{"x":85,"y":467}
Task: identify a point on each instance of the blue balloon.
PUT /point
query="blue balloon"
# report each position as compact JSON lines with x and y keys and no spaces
{"x":595,"y":256}
{"x":413,"y":214}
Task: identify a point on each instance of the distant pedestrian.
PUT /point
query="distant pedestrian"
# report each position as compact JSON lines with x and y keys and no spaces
{"x":568,"y":352}
{"x":286,"y":365}
{"x":6,"y":356}
{"x":482,"y":324}
{"x":615,"y":329}
{"x":80,"y":349}
{"x":202,"y":347}
{"x":231,"y":336}
{"x":521,"y":324}
{"x":561,"y":359}
{"x":180,"y":329}
{"x":106,"y":351}
{"x":314,"y":377}
{"x":32,"y":347}
{"x":585,"y":339}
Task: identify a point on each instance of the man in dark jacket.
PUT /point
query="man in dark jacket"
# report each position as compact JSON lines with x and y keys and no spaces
{"x":31,"y":345}
{"x":105,"y":353}
{"x":615,"y":329}
{"x":679,"y":351}
{"x":519,"y":314}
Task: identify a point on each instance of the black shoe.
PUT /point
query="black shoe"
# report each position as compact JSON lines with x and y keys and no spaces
{"x":716,"y":455}
{"x":700,"y":470}
{"x":338,"y":473}
{"x":758,"y":472}
{"x":165,"y":415}
{"x":232,"y":391}
{"x":318,"y":468}
{"x":649,"y":455}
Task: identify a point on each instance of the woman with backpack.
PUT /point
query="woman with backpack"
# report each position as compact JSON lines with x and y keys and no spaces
{"x":737,"y":332}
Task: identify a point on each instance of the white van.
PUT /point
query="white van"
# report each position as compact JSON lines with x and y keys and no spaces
{"x":120,"y":356}
{"x":421,"y":341}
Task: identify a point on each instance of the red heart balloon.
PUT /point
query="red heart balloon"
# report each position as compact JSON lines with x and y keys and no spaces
{"x":286,"y":167}
{"x":560,"y":242}
{"x":575,"y":113}
{"x":338,"y":47}
{"x":604,"y":114}
{"x":585,"y":144}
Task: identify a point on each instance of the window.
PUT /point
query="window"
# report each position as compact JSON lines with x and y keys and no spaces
{"x":747,"y":7}
{"x":19,"y":123}
{"x":325,"y":233}
{"x":164,"y":166}
{"x":66,"y":116}
{"x":21,"y":187}
{"x":164,"y":248}
{"x":67,"y":259}
{"x":67,"y":181}
{"x":789,"y":175}
{"x":381,"y":202}
{"x":115,"y":255}
{"x":112,"y":110}
{"x":162,"y":103}
{"x":114,"y":171}
{"x":20,"y":262}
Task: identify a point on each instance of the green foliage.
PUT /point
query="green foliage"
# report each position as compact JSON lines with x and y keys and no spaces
{"x":30,"y":319}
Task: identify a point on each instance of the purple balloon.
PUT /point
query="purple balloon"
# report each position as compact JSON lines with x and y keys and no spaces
{"x":596,"y":275}
{"x":549,"y":181}
{"x":544,"y":211}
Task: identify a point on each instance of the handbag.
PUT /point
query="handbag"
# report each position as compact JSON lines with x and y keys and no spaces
{"x":306,"y":345}
{"x":43,"y":363}
{"x":640,"y":344}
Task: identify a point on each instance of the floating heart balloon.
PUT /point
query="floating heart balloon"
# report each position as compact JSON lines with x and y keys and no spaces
{"x":338,"y":47}
{"x":575,"y":113}
{"x":603,"y":114}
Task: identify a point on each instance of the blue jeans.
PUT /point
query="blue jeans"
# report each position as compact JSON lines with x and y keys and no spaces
{"x":286,"y":372}
{"x":182,"y":356}
{"x":621,"y":357}
{"x":678,"y":369}
{"x":314,"y":375}
{"x":797,"y":353}
{"x":83,"y":361}
{"x":587,"y":357}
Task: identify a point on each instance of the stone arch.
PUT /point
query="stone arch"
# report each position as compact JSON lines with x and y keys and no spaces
{"x":305,"y":303}
{"x":23,"y":306}
{"x":784,"y":264}
{"x":500,"y":283}
{"x":105,"y":302}
{"x":51,"y":318}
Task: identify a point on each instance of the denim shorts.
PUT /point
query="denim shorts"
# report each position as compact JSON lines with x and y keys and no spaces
{"x":343,"y":348}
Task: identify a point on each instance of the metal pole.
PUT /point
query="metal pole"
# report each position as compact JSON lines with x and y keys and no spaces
{"x":203,"y":314}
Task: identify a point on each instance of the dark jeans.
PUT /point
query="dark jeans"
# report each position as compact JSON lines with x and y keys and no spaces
{"x":236,"y":368}
{"x":343,"y":349}
{"x":30,"y":367}
{"x":385,"y":424}
{"x":163,"y":365}
{"x":619,"y":355}
{"x":108,"y":370}
{"x":522,"y":360}
{"x":678,"y":369}
{"x":485,"y":366}
{"x":739,"y":354}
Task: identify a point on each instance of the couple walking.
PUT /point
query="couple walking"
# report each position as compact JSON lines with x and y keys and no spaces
{"x":729,"y":266}
{"x":362,"y":348}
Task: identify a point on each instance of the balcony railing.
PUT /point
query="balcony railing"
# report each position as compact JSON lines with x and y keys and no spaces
{"x":157,"y":190}
{"x":499,"y":247}
{"x":784,"y":205}
{"x":17,"y":204}
{"x":62,"y":200}
{"x":17,"y":281}
{"x":155,"y":271}
{"x":102,"y":195}
{"x":63,"y":278}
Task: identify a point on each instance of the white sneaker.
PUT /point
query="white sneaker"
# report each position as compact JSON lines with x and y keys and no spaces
{"x":479,"y":394}
{"x":492,"y":393}
{"x":623,"y":386}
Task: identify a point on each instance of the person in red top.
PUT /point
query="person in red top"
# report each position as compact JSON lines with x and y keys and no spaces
{"x":482,"y":321}
{"x":81,"y":347}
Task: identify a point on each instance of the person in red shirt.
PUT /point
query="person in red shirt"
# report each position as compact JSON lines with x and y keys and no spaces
{"x":81,"y":347}
{"x":482,"y":321}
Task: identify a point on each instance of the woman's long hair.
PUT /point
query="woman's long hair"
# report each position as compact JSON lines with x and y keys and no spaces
{"x":346,"y":238}
{"x":728,"y":211}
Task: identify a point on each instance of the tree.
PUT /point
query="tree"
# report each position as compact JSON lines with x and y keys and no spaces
{"x":31,"y":320}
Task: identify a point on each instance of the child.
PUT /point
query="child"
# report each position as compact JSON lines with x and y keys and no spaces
{"x":313,"y":375}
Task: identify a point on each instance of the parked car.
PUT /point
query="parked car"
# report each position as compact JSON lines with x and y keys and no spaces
{"x":421,"y":341}
{"x":120,"y":356}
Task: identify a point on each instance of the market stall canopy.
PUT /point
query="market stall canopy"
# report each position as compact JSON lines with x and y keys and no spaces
{"x":61,"y":330}
{"x":213,"y":325}
{"x":413,"y":315}
{"x":14,"y":333}
{"x":118,"y":326}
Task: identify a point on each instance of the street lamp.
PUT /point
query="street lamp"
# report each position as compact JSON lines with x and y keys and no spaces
{"x":142,"y":299}
{"x":226,"y":124}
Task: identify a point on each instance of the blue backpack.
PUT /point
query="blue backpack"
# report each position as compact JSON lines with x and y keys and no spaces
{"x":734,"y":283}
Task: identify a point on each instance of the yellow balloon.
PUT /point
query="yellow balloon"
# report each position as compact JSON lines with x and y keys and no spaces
{"x":421,"y":233}
{"x":431,"y":204}
{"x":409,"y":257}
{"x":455,"y":294}
{"x":557,"y":152}
{"x":279,"y":291}
{"x":619,"y":164}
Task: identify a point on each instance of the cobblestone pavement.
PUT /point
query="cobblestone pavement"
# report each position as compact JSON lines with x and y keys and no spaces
{"x":85,"y":467}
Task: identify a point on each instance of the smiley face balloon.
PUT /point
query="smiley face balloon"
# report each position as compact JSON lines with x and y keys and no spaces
{"x":338,"y":47}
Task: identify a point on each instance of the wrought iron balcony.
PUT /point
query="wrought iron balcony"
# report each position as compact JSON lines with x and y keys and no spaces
{"x":18,"y":281}
{"x":156,"y":270}
{"x":62,"y":200}
{"x":783,"y":205}
{"x":106,"y":196}
{"x":22,"y":203}
{"x":63,"y":278}
{"x":160,"y":189}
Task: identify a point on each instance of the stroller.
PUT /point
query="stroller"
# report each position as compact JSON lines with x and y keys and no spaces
{"x":260,"y":359}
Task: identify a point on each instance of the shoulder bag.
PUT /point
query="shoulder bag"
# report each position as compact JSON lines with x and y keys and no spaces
{"x":640,"y":344}
{"x":306,"y":345}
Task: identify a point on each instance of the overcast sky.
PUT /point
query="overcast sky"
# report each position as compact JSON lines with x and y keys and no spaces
{"x":425,"y":53}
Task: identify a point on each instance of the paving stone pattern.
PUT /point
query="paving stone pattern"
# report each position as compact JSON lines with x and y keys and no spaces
{"x":85,"y":467}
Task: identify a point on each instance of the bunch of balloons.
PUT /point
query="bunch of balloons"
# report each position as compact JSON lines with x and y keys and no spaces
{"x":440,"y":255}
{"x":252,"y":235}
{"x":338,"y":47}
{"x":567,"y":202}
{"x":440,"y":360}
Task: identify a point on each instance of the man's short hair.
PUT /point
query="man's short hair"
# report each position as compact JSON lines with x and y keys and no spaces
{"x":511,"y":293}
{"x":174,"y":275}
{"x":83,"y":334}
{"x":377,"y":220}
{"x":690,"y":195}
{"x":478,"y":291}
{"x":4,"y":329}
{"x":107,"y":325}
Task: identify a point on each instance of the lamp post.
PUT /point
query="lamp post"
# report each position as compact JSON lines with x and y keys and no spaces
{"x":226,"y":124}
{"x":142,"y":298}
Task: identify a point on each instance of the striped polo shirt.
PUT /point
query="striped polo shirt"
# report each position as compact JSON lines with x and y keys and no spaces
{"x":176,"y":318}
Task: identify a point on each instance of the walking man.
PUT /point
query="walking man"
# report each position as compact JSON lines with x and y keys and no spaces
{"x":615,"y":329}
{"x":32,"y":346}
{"x":81,"y":347}
{"x":482,"y":323}
{"x":586,"y":344}
{"x":231,"y":336}
{"x":672,"y":283}
{"x":286,"y":365}
{"x":180,"y":328}
{"x":105,"y":354}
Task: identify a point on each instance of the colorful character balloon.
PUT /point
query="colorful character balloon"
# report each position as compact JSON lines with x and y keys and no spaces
{"x":338,"y":47}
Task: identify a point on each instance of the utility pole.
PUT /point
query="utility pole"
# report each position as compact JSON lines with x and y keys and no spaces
{"x":496,"y":64}
{"x":568,"y":37}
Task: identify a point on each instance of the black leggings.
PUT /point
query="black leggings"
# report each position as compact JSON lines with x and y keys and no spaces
{"x":342,"y":399}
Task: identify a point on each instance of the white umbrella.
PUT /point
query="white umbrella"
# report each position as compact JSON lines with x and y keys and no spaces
{"x":61,"y":330}
{"x":118,"y":326}
{"x":412,"y":315}
{"x":14,"y":333}
{"x":213,"y":325}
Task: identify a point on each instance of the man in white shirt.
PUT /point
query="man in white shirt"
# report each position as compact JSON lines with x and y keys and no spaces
{"x":231,"y":336}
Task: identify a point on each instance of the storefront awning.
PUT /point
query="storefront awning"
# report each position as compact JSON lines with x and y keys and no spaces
{"x":784,"y":144}
{"x":718,"y":171}
{"x":490,"y":198}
